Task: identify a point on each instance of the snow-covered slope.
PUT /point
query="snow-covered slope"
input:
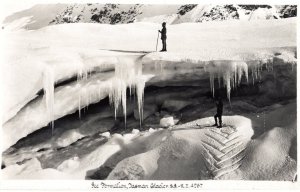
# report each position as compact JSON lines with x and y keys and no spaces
{"x":44,"y":15}
{"x":39,"y":16}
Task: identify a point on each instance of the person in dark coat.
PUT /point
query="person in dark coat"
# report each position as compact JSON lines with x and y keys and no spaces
{"x":163,"y":33}
{"x":219,"y":104}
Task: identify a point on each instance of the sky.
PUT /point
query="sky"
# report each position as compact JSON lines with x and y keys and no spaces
{"x":9,"y":7}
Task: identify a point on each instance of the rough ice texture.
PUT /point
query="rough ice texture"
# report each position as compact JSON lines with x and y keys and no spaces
{"x":216,"y":42}
{"x":69,"y":58}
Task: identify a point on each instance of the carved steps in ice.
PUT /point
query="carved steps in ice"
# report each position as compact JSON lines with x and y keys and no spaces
{"x":224,"y":150}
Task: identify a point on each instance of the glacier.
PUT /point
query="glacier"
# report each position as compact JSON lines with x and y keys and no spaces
{"x":71,"y":58}
{"x":53,"y":78}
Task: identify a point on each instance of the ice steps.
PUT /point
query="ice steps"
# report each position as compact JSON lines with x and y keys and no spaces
{"x":224,"y":150}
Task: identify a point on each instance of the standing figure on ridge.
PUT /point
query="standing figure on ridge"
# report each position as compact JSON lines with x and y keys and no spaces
{"x":163,"y":33}
{"x":219,"y":104}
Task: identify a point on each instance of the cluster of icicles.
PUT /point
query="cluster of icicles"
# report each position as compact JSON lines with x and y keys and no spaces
{"x":128,"y":74}
{"x":231,"y":72}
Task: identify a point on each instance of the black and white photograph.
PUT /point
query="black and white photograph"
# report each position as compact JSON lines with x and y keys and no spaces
{"x":142,"y":91}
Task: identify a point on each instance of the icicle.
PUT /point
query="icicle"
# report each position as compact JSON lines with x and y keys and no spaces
{"x":227,"y":79}
{"x":212,"y":82}
{"x":48,"y":84}
{"x":80,"y":74}
{"x":124,"y":101}
{"x":115,"y":93}
{"x":88,"y":96}
{"x":219,"y":80}
{"x":253,"y":75}
{"x":246,"y":74}
{"x":79,"y":106}
{"x":140,"y":97}
{"x":235,"y":76}
{"x":257,"y":68}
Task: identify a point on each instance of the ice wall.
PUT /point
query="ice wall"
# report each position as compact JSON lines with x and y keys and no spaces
{"x":128,"y":75}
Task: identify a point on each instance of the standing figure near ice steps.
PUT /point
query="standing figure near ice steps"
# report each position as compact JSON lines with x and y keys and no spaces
{"x":219,"y":104}
{"x":163,"y":33}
